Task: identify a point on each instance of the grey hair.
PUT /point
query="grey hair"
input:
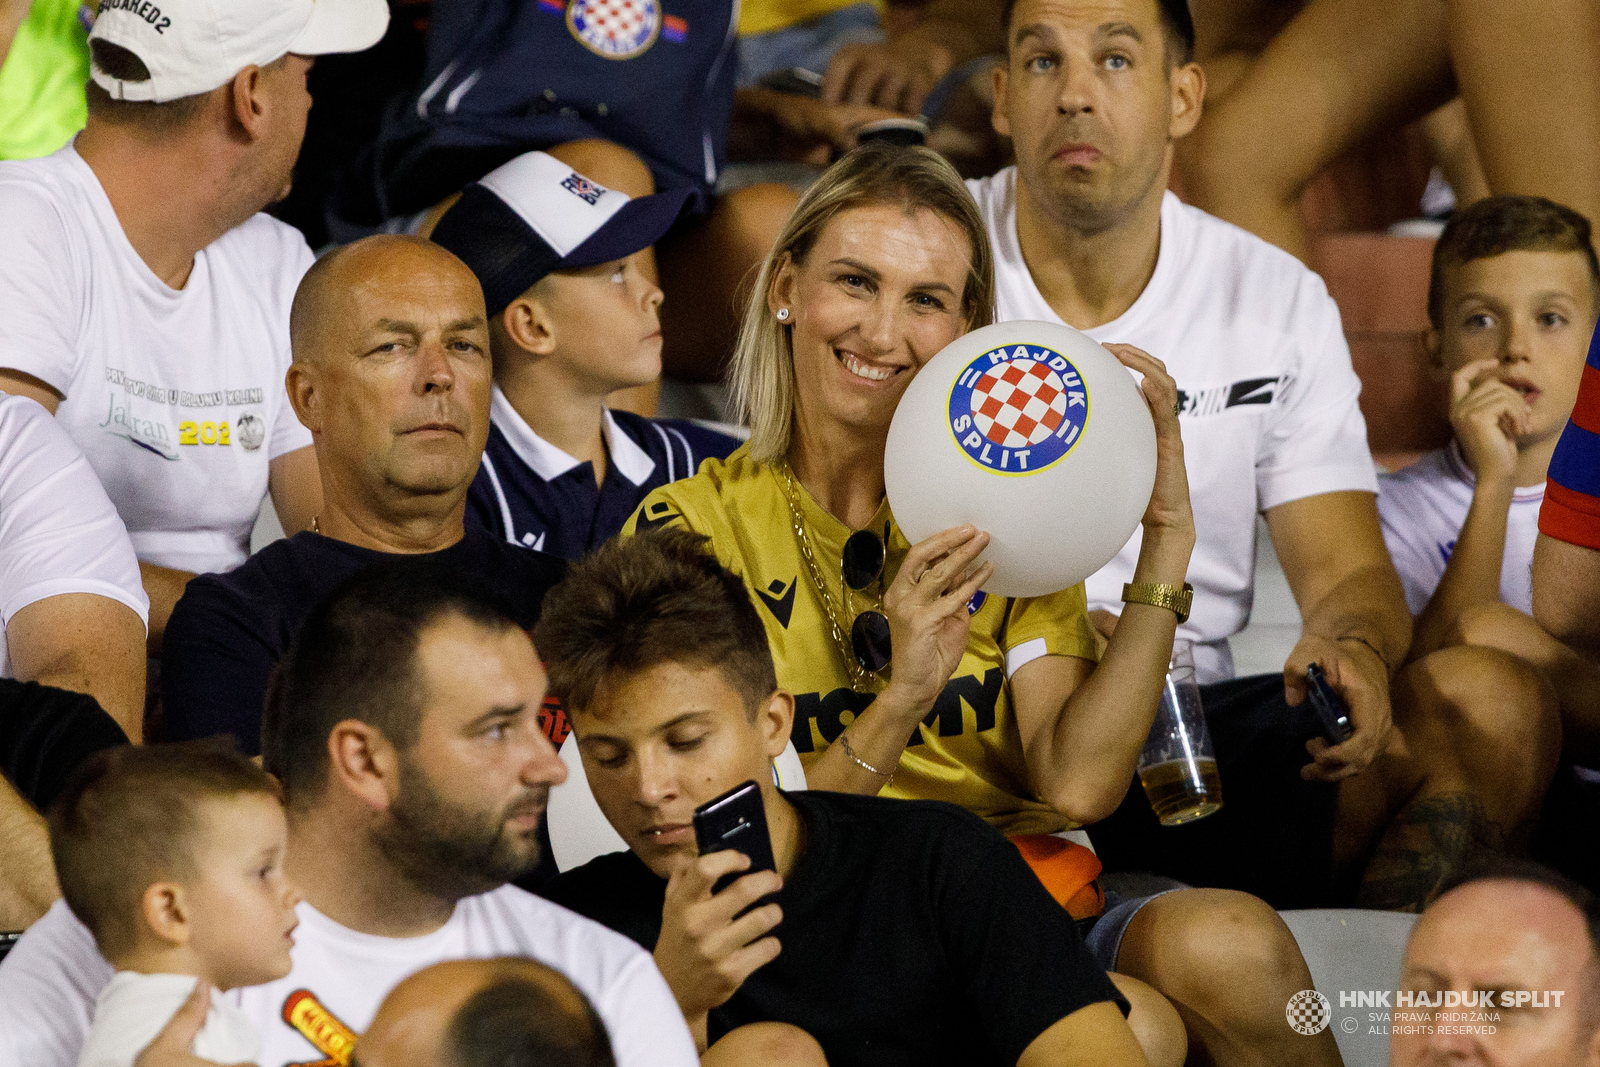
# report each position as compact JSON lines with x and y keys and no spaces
{"x":761,"y":375}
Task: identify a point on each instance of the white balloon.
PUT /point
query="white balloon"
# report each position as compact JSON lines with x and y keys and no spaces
{"x":1034,"y":433}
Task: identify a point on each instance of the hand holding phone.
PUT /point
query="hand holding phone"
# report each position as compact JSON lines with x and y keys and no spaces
{"x":715,"y":933}
{"x":1329,"y":706}
{"x":736,"y":820}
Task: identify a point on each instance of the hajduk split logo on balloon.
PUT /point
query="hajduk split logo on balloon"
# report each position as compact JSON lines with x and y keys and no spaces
{"x":995,"y":430}
{"x":1018,"y":410}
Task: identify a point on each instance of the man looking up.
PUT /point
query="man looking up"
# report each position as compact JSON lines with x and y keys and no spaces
{"x":146,"y":301}
{"x":391,"y":376}
{"x":1093,"y":96}
{"x":404,"y":726}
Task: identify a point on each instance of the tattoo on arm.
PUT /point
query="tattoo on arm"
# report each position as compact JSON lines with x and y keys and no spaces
{"x":1432,"y":839}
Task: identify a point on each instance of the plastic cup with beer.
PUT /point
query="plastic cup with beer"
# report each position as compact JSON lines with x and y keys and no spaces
{"x":1178,"y":768}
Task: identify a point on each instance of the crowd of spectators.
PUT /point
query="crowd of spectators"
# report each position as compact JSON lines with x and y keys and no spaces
{"x":412,"y":275}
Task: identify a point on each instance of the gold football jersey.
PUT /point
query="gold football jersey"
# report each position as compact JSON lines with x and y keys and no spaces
{"x":968,"y":750}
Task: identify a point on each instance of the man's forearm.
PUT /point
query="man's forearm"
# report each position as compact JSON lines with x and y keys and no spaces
{"x":1366,"y":606}
{"x":27,"y":875}
{"x":1472,"y":576}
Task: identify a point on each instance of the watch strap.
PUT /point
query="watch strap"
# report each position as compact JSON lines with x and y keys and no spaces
{"x":1157,"y":595}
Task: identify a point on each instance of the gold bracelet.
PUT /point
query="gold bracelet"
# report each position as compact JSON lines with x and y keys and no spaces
{"x":1158,"y":595}
{"x":863,"y":764}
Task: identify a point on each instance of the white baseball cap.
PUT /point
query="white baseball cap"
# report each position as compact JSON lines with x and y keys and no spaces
{"x":193,"y":46}
{"x":535,"y":215}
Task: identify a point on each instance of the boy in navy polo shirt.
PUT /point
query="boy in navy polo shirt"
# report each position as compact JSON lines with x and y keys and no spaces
{"x":572,"y":319}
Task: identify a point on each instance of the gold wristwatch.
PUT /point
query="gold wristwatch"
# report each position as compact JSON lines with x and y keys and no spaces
{"x":1175,"y":600}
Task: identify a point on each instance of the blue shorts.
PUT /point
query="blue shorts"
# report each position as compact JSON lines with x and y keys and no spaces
{"x":1104,"y":937}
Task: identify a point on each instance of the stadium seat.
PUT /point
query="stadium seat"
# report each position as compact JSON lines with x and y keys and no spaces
{"x":1352,"y":951}
{"x":1380,"y":283}
{"x":579,"y":833}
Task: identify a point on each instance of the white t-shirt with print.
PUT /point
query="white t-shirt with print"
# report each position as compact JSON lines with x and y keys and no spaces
{"x":1269,"y":396}
{"x":1423,"y":507}
{"x":58,"y":532}
{"x":175,"y":395}
{"x":134,"y":1008}
{"x":49,"y":982}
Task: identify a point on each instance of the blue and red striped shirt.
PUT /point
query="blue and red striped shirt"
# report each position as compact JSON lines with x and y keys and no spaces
{"x":1571,"y":510}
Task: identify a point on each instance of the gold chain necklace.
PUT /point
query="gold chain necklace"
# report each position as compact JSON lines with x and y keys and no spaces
{"x":858,"y":674}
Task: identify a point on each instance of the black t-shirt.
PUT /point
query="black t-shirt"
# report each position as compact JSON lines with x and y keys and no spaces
{"x":913,"y":933}
{"x":229,"y":630}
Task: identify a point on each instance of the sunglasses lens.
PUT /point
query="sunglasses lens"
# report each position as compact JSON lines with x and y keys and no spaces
{"x":869,"y":636}
{"x":863,"y":559}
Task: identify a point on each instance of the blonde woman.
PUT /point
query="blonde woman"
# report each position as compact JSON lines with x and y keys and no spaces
{"x":908,"y":679}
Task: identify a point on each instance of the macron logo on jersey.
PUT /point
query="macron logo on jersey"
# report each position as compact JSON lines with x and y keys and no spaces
{"x":1218,"y":398}
{"x":779,"y":599}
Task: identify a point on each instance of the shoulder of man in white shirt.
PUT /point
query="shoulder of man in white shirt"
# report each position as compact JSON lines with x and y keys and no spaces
{"x":51,"y":979}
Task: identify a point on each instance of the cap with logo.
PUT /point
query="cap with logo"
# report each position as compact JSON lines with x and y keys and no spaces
{"x":194,"y":46}
{"x":536,"y":215}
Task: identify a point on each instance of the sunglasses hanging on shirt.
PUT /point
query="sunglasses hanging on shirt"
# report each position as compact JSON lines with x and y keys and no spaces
{"x":863,"y":560}
{"x":867,"y":650}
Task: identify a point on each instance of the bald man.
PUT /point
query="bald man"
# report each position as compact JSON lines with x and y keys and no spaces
{"x":1497,"y":935}
{"x":504,"y":1012}
{"x":391,"y":376}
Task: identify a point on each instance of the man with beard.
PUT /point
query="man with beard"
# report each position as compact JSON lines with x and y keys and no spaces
{"x":391,"y":376}
{"x":403,"y":724}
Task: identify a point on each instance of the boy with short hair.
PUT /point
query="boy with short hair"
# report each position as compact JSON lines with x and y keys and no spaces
{"x":1512,"y":301}
{"x":891,"y":931}
{"x":572,"y":320}
{"x":172,"y":856}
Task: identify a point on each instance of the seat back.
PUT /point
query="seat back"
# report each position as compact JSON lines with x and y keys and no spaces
{"x":1352,"y":951}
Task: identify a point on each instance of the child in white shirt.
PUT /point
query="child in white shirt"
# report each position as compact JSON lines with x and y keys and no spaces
{"x":1512,"y":302}
{"x":172,"y":855}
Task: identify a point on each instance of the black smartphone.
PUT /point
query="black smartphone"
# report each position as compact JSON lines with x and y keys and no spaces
{"x":795,"y":80}
{"x":735,"y":820}
{"x":1329,"y":706}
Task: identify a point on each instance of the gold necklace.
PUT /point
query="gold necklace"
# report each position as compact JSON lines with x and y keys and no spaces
{"x":858,"y":674}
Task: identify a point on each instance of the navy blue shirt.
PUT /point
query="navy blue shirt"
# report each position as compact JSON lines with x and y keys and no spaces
{"x":229,"y":630}
{"x":503,"y":77}
{"x":531,"y":493}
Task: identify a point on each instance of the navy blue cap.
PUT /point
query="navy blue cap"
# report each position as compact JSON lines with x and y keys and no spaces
{"x":535,"y":215}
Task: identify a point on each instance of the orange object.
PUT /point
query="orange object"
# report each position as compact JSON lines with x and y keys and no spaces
{"x":1067,"y":870}
{"x":303,"y":1011}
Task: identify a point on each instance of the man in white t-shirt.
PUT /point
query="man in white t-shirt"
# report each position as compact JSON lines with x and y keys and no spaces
{"x":404,"y":726}
{"x":71,"y":611}
{"x":1093,"y":95}
{"x":146,"y":301}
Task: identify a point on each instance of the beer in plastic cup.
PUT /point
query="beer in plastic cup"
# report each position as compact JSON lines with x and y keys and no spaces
{"x":1178,"y":768}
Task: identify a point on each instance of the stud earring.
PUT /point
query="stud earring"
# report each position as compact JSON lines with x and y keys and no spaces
{"x":783,"y":314}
